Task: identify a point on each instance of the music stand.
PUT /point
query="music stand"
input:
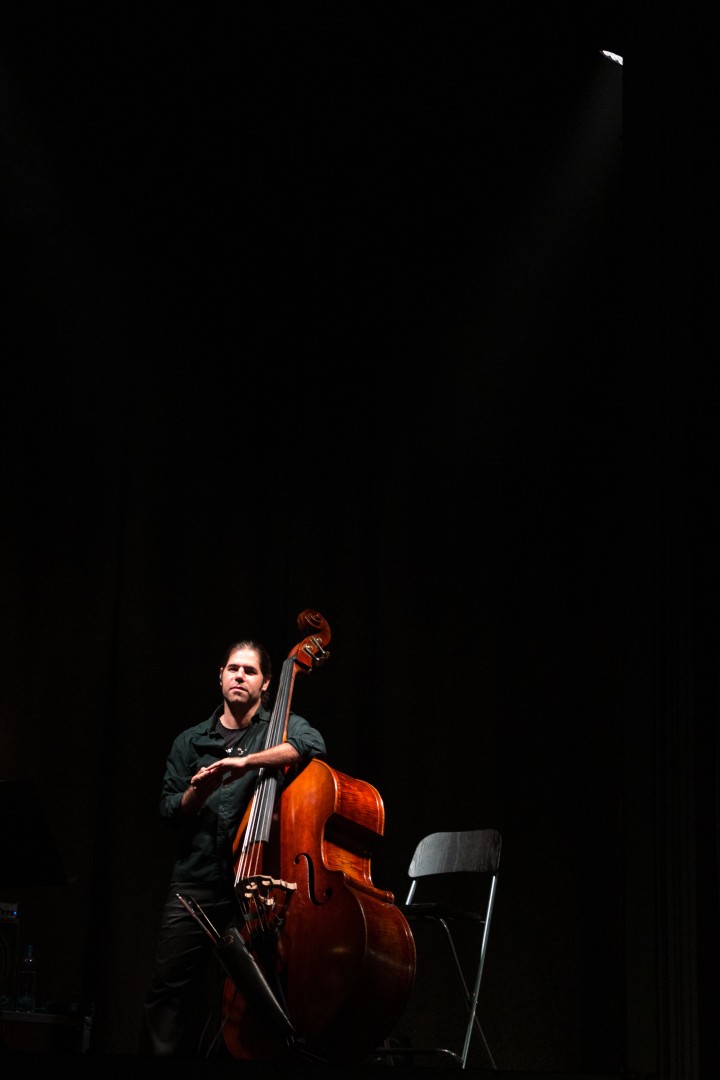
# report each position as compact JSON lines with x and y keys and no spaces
{"x":28,"y":856}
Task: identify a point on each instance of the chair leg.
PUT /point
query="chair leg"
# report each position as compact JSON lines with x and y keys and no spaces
{"x":481,"y":1033}
{"x":473,"y":1002}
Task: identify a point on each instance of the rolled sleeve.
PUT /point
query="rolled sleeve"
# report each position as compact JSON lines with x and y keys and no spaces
{"x":178,"y":770}
{"x":306,"y":739}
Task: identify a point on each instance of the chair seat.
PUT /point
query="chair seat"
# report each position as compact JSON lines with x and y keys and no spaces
{"x":440,"y":911}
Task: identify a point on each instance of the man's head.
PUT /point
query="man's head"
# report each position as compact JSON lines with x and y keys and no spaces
{"x":245,"y":673}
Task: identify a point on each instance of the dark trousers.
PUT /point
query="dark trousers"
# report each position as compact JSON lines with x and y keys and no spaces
{"x":179,"y":1002}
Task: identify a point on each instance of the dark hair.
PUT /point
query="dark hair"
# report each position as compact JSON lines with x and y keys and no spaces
{"x":263,"y":657}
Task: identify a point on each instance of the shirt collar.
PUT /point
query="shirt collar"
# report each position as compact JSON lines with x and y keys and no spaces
{"x":262,"y":714}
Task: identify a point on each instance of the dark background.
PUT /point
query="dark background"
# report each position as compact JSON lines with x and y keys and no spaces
{"x":397,"y":312}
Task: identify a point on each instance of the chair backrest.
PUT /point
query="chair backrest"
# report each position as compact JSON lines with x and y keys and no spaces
{"x":466,"y":851}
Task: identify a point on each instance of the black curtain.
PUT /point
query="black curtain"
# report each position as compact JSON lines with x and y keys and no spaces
{"x":372,"y":312}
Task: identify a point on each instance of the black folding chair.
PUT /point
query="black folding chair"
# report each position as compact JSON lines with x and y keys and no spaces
{"x":441,"y":863}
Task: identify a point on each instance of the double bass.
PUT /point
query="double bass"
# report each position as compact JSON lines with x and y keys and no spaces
{"x":327,"y":958}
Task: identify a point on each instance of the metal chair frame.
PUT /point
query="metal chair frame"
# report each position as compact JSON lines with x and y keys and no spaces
{"x":439,"y":855}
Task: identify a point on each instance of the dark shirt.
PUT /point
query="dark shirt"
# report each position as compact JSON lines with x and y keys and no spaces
{"x":206,"y":838}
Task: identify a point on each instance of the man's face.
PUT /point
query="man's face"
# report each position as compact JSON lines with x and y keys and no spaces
{"x":242,"y":680}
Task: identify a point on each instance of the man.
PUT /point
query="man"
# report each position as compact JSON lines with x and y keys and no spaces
{"x":210,"y":777}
